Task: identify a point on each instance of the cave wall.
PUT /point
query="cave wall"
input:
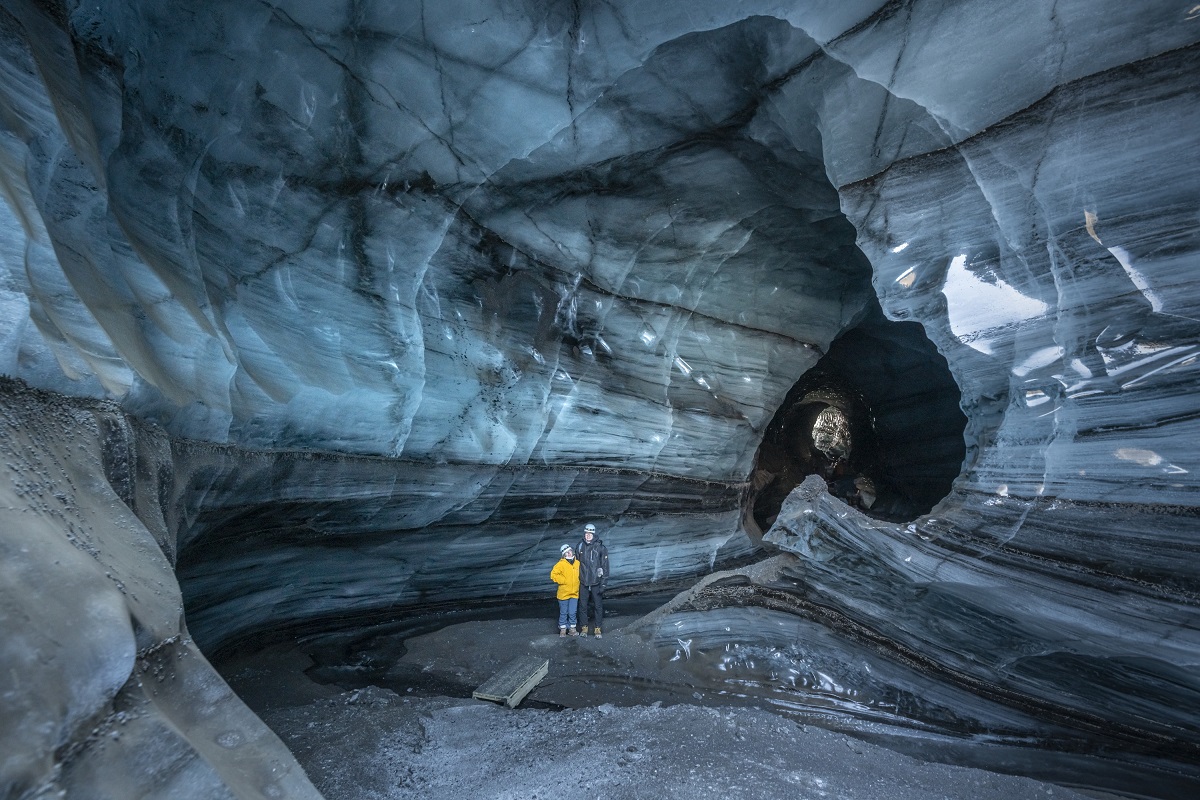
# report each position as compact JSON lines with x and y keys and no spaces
{"x":104,"y":692}
{"x":272,"y":543}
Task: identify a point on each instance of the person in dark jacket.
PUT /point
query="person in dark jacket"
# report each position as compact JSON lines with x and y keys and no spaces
{"x":593,"y":577}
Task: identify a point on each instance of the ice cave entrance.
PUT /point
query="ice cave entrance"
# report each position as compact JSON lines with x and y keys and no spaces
{"x":878,"y":418}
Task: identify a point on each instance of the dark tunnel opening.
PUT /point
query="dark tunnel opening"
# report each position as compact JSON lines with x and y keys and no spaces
{"x":878,"y":418}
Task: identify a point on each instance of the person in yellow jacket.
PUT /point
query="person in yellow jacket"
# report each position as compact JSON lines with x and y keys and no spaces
{"x":566,"y":575}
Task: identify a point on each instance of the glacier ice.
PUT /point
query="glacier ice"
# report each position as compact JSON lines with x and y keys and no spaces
{"x":347,"y":293}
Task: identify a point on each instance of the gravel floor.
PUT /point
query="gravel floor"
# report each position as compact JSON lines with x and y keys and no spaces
{"x":580,"y":734}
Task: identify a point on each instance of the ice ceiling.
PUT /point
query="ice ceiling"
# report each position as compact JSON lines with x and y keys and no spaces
{"x":346,"y":294}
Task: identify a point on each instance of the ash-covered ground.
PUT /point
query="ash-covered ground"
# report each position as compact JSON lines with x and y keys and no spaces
{"x":389,"y":715}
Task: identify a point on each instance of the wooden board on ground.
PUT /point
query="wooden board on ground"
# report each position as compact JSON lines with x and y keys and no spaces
{"x":510,"y":685}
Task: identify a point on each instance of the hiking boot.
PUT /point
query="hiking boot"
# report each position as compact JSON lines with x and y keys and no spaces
{"x":562,"y":633}
{"x":583,"y":631}
{"x":572,"y":632}
{"x":597,"y":631}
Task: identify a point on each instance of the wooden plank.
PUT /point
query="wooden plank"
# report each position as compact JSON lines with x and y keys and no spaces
{"x":517,"y":679}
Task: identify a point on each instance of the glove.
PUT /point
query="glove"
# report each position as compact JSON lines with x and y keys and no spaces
{"x":600,"y":572}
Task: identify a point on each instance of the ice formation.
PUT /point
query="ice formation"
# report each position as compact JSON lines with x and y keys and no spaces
{"x":348,"y":293}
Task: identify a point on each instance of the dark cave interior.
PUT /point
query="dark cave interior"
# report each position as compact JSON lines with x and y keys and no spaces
{"x":878,"y":418}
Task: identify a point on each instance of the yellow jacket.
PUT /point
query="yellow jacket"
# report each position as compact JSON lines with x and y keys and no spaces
{"x":566,"y":575}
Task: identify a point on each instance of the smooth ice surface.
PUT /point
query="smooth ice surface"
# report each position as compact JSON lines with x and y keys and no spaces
{"x":412,"y":290}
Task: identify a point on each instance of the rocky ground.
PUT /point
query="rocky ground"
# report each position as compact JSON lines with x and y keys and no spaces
{"x":367,"y":725}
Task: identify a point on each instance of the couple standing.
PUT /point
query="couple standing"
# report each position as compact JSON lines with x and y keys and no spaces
{"x":581,"y":575}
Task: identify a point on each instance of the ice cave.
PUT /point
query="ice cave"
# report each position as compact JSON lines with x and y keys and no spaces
{"x":863,"y":330}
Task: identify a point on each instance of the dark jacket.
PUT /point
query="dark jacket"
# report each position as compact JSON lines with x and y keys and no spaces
{"x":593,"y":563}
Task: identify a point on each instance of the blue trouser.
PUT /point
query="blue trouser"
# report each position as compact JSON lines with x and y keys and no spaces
{"x":596,"y":595}
{"x":566,"y":612}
